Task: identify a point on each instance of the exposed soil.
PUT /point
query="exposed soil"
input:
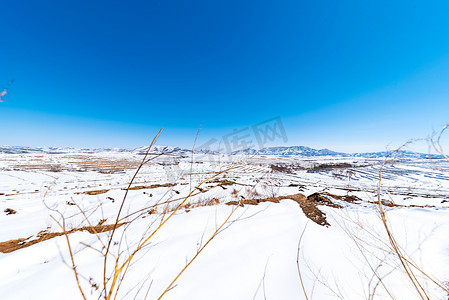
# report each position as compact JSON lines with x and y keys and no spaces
{"x":391,"y":204}
{"x":328,"y":167}
{"x":96,"y":192}
{"x":13,"y":245}
{"x":138,"y":187}
{"x":281,"y":169}
{"x":309,"y":205}
{"x":226,"y":182}
{"x":324,"y":198}
{"x":10,"y":211}
{"x":152,"y":186}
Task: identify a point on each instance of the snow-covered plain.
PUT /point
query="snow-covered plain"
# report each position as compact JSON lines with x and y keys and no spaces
{"x":258,"y":250}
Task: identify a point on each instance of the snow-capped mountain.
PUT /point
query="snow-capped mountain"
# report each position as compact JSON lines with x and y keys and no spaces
{"x":289,"y":151}
{"x":55,"y":150}
{"x":158,"y":149}
{"x":278,"y":151}
{"x":402,"y":154}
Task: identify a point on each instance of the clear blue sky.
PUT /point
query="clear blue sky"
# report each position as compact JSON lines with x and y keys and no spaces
{"x":347,"y":75}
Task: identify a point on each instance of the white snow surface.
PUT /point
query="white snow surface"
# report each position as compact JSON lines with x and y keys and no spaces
{"x":257,"y":252}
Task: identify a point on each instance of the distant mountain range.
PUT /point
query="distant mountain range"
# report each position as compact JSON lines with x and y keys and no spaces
{"x":292,"y":150}
{"x":277,"y":151}
{"x":307,"y":151}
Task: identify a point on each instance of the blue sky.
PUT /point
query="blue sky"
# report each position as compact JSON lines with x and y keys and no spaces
{"x":347,"y":75}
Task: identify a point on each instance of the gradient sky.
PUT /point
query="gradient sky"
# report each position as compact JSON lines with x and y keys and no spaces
{"x":346,"y":75}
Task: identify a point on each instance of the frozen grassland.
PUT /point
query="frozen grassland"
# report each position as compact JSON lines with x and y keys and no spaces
{"x":339,"y":244}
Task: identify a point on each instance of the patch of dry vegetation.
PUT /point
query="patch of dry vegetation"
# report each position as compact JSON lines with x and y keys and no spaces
{"x":309,"y":205}
{"x":16,"y":244}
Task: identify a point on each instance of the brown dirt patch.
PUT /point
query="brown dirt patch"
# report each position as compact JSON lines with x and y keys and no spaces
{"x":138,"y":187}
{"x":96,"y":192}
{"x":10,"y":211}
{"x":391,"y":204}
{"x":152,"y":186}
{"x":224,"y":182}
{"x":328,"y":167}
{"x":13,"y":245}
{"x":325,"y":198}
{"x":309,"y":205}
{"x":281,"y":169}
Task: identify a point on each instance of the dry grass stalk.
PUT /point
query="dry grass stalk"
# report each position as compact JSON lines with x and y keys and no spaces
{"x":215,"y":233}
{"x":406,"y":263}
{"x":113,"y":283}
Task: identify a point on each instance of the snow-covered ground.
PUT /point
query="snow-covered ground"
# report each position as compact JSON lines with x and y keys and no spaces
{"x":256,"y":250}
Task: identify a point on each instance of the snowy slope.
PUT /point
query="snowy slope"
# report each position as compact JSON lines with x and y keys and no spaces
{"x":254,"y":255}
